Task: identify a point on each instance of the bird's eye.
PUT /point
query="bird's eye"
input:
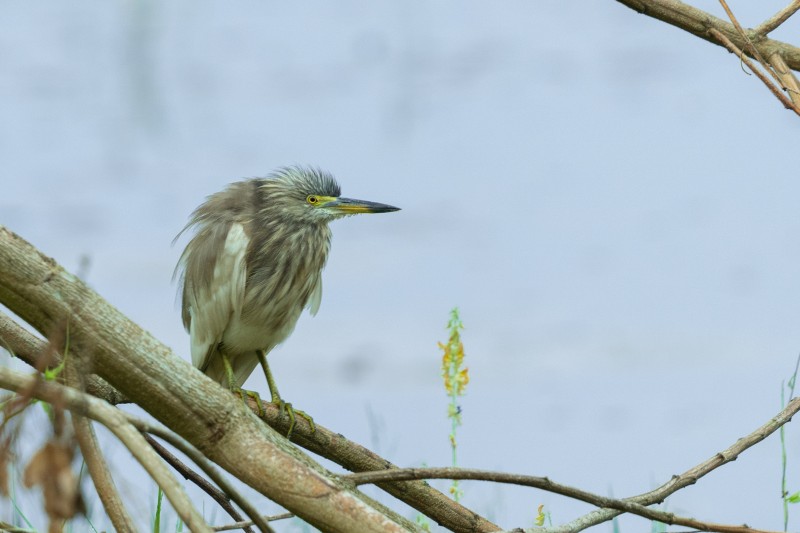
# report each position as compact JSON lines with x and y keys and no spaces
{"x":313,"y":200}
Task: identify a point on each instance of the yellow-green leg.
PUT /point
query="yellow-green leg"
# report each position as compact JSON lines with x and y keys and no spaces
{"x":276,"y":398}
{"x":238,"y":390}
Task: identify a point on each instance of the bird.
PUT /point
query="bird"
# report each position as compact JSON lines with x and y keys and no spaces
{"x":253,"y":265}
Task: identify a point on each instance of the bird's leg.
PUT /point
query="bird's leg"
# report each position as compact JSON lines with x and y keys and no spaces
{"x":276,"y":398}
{"x":234,"y":388}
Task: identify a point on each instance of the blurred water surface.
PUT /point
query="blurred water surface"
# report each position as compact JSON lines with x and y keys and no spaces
{"x":607,"y":199}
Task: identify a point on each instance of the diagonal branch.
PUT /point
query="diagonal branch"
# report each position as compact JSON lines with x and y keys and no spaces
{"x":699,"y":23}
{"x":29,"y":348}
{"x":115,"y":421}
{"x":95,"y":462}
{"x":354,"y":457}
{"x":690,"y":477}
{"x":220,"y":497}
{"x":727,"y":43}
{"x":777,"y":19}
{"x":43,"y":294}
{"x":324,"y":442}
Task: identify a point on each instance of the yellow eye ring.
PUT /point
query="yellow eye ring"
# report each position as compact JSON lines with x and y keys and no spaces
{"x":313,"y":200}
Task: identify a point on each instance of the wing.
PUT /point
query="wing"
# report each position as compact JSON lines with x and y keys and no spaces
{"x":316,"y":296}
{"x":214,"y":275}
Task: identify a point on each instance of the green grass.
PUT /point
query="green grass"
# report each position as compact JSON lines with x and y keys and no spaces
{"x":794,"y":497}
{"x":157,"y":517}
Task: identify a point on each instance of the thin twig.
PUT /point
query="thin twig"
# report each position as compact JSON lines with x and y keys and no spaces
{"x":777,"y":19}
{"x":220,"y":497}
{"x":115,"y":421}
{"x":95,"y":462}
{"x":5,"y":527}
{"x":205,"y":465}
{"x":689,"y":477}
{"x":746,"y":38}
{"x":727,"y":43}
{"x":101,"y":475}
{"x":245,"y":523}
{"x":29,"y":348}
{"x":544,"y":483}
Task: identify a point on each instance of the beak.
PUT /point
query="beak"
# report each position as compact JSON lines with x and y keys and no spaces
{"x":348,"y":206}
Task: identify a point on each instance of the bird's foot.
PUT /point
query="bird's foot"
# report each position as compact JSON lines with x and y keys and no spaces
{"x":244,"y":393}
{"x":292,"y":413}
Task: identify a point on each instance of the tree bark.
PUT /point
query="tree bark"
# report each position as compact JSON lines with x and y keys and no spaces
{"x":131,"y":360}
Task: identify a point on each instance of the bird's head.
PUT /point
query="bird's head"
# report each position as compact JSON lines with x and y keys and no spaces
{"x":312,"y":195}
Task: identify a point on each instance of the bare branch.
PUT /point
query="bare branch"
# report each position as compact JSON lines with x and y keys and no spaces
{"x":43,"y":294}
{"x":101,"y":475}
{"x":115,"y":421}
{"x":96,"y":463}
{"x":788,"y":78}
{"x":221,"y":498}
{"x":356,"y":458}
{"x":27,"y":347}
{"x":699,"y":23}
{"x":544,"y":483}
{"x":727,"y":43}
{"x":244,"y":524}
{"x":777,"y":19}
{"x":335,"y":447}
{"x":750,"y":47}
{"x":689,"y":477}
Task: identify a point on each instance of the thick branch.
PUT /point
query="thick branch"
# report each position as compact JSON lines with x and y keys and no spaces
{"x":324,"y":442}
{"x":356,"y":458}
{"x":43,"y":294}
{"x":698,"y":23}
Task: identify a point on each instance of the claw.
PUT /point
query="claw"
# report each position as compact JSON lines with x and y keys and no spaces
{"x":255,"y":396}
{"x":292,"y":413}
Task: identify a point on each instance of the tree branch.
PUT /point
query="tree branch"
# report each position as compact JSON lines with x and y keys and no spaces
{"x":29,"y":348}
{"x":43,"y":294}
{"x":727,"y":43}
{"x":220,"y":497}
{"x":324,"y":442}
{"x":699,"y":23}
{"x":544,"y":483}
{"x":115,"y":421}
{"x":356,"y":458}
{"x":244,"y":524}
{"x":96,"y":464}
{"x":777,"y":19}
{"x":689,"y":477}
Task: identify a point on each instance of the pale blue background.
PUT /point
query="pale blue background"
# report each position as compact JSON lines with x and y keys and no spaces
{"x":611,"y":202}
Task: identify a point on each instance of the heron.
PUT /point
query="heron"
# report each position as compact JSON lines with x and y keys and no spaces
{"x":253,"y":265}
